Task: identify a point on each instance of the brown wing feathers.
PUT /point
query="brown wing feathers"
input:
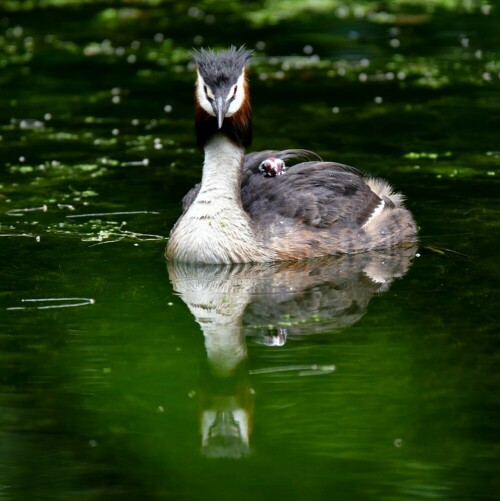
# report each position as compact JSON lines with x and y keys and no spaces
{"x":318,"y":194}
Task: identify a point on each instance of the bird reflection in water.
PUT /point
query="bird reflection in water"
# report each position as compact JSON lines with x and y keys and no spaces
{"x":230,"y":302}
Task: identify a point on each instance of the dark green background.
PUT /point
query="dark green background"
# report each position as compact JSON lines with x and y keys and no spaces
{"x":91,"y":89}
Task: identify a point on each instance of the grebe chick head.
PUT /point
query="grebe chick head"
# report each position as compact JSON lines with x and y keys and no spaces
{"x":221,"y":94}
{"x":272,"y":167}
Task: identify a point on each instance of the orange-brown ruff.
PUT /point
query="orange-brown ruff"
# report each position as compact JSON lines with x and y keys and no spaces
{"x":236,"y":214}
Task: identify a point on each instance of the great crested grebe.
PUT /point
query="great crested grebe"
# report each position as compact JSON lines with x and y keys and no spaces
{"x":244,"y":211}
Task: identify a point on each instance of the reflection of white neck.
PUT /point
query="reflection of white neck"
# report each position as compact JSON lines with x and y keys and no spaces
{"x":217,"y":296}
{"x":219,"y":309}
{"x":226,"y":348}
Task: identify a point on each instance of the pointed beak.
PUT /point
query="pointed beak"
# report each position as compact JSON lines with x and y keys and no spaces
{"x":220,"y":110}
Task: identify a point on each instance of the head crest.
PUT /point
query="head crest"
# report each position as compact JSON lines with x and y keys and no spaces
{"x":221,"y":67}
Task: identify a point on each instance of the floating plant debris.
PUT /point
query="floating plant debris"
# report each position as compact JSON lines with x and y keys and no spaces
{"x":53,"y":303}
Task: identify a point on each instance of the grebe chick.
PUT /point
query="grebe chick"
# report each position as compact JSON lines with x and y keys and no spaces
{"x":271,"y":167}
{"x":237,"y":214}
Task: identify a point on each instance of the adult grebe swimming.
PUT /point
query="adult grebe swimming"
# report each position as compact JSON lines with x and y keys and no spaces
{"x":244,"y":211}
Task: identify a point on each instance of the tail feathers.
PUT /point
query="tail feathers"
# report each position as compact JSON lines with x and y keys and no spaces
{"x":384,"y":190}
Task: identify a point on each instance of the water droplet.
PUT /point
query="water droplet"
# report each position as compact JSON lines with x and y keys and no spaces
{"x":342,"y":12}
{"x":335,"y":109}
{"x":195,"y":12}
{"x":464,"y":41}
{"x":31,"y":123}
{"x":260,"y":45}
{"x":394,"y":43}
{"x":167,"y":108}
{"x":308,"y":49}
{"x":17,"y":31}
{"x":486,"y":9}
{"x":379,"y":100}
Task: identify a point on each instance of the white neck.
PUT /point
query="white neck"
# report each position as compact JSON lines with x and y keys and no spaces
{"x":215,"y":228}
{"x":222,"y":171}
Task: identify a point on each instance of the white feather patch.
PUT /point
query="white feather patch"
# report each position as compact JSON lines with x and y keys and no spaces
{"x":239,"y":96}
{"x":202,"y":96}
{"x":375,"y":213}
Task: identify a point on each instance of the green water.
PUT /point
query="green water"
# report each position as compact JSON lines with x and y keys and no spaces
{"x":385,"y":386}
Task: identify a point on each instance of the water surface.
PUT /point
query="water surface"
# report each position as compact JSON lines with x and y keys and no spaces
{"x":373,"y":377}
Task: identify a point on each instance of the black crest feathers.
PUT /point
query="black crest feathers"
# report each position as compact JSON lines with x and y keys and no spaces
{"x":223,"y":67}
